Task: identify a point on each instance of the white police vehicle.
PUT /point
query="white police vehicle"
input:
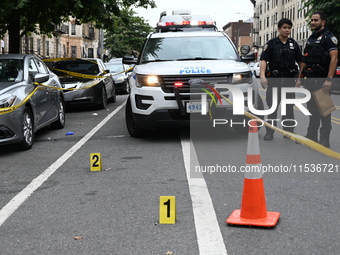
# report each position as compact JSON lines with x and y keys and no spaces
{"x":184,"y":58}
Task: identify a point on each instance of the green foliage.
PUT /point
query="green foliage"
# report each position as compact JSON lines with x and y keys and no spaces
{"x":126,"y":34}
{"x":332,"y":10}
{"x":42,"y":16}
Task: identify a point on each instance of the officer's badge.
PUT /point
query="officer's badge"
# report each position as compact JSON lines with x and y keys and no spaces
{"x":334,"y":40}
{"x":265,"y":47}
{"x":291,"y":45}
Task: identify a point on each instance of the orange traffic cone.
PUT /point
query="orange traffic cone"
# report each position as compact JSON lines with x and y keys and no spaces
{"x":253,"y":210}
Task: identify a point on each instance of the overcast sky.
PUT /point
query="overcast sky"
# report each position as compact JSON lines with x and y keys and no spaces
{"x":222,"y":11}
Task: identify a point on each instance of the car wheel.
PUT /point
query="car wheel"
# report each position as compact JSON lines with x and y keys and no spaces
{"x":244,"y":130}
{"x":103,"y":103}
{"x":127,"y":89}
{"x":27,"y":130}
{"x":60,"y":123}
{"x":132,"y":127}
{"x":113,"y":95}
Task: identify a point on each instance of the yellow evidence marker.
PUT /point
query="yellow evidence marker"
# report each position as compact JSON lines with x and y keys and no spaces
{"x":95,"y":162}
{"x":167,"y":210}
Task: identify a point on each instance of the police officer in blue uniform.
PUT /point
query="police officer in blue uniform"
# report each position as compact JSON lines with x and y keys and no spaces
{"x":278,"y":69}
{"x":318,"y":67}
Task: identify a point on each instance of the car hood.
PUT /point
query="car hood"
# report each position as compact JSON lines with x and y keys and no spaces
{"x":77,"y":82}
{"x":117,"y":75}
{"x":191,"y":67}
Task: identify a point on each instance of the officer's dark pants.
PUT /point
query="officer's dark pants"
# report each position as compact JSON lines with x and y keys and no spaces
{"x":279,"y":83}
{"x":314,"y":120}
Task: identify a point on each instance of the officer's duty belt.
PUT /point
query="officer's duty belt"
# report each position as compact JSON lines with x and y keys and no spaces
{"x":276,"y":73}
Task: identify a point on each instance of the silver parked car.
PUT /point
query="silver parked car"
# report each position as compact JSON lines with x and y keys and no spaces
{"x":26,"y":107}
{"x":120,"y":75}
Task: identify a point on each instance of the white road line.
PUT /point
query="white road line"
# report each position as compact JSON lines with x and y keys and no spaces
{"x":209,"y":236}
{"x":20,"y":198}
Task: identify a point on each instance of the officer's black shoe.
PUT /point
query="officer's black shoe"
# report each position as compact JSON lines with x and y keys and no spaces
{"x":268,"y":136}
{"x":324,"y":142}
{"x":313,"y":138}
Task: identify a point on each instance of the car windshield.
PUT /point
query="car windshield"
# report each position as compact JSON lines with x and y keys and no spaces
{"x":115,"y":67}
{"x":188,"y":48}
{"x":11,"y":70}
{"x":77,"y":66}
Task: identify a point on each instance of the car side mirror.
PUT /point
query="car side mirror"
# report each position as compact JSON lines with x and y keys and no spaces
{"x":249,"y":57}
{"x":40,"y":77}
{"x":129,"y":60}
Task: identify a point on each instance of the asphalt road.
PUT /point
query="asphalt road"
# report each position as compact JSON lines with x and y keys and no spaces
{"x":69,"y":209}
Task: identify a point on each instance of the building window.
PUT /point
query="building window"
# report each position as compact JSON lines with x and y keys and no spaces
{"x":73,"y":51}
{"x":91,"y":32}
{"x":73,"y":29}
{"x":267,"y":21}
{"x":47,"y":48}
{"x":90,"y":52}
{"x":38,"y":46}
{"x":64,"y":50}
{"x":31,"y":45}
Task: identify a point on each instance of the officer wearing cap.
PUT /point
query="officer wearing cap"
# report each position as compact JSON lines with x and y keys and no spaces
{"x":318,"y":67}
{"x":278,"y":68}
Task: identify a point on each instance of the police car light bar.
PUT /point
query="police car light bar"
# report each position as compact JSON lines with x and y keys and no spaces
{"x":185,"y":23}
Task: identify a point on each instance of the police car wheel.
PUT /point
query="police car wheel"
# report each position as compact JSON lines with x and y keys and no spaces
{"x":132,"y":127}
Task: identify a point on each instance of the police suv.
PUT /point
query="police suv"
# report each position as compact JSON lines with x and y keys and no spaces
{"x":185,"y":58}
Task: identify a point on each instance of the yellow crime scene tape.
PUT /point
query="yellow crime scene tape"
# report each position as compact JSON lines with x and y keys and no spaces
{"x":93,"y":83}
{"x":12,"y":108}
{"x":295,"y":137}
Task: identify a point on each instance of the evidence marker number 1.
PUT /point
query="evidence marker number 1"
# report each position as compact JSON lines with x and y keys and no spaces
{"x":167,"y":209}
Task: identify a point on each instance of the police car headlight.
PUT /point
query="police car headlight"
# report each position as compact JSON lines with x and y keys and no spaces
{"x":245,"y":77}
{"x":7,"y":102}
{"x":147,"y":80}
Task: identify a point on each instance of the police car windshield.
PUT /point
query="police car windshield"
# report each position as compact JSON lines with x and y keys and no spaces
{"x":188,"y":48}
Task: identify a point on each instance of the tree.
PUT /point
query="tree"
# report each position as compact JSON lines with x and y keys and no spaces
{"x":126,"y":34}
{"x":332,"y":10}
{"x":20,"y":17}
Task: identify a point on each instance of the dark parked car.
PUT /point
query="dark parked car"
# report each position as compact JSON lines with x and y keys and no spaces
{"x":119,"y":73}
{"x":25,"y":106}
{"x":89,"y":84}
